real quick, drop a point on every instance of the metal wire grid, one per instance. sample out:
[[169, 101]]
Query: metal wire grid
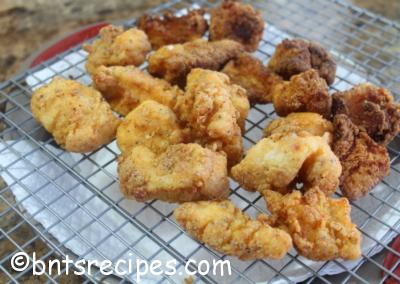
[[363, 42]]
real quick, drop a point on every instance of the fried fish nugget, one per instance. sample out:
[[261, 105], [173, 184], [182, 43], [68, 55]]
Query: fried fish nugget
[[77, 116], [322, 169], [225, 228], [241, 104], [306, 92], [152, 125], [125, 87], [208, 109], [364, 161], [237, 21], [174, 62], [372, 109], [282, 160], [320, 226], [117, 47], [296, 122], [294, 56], [249, 73], [171, 29], [184, 172]]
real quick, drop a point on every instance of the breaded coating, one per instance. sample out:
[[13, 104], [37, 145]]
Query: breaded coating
[[306, 92], [241, 104], [364, 161], [249, 73], [320, 226], [237, 21], [151, 124], [297, 122], [184, 172], [372, 109], [171, 29], [228, 230], [294, 56], [174, 62], [117, 47], [77, 116], [283, 160], [125, 87], [208, 110]]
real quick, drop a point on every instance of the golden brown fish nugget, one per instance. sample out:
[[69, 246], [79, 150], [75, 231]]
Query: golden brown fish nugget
[[77, 116], [372, 109], [364, 161], [125, 87], [237, 21], [283, 160], [174, 62], [295, 56], [184, 172], [225, 228], [297, 122], [117, 47], [306, 92], [249, 73], [320, 226], [171, 29], [152, 125], [208, 108]]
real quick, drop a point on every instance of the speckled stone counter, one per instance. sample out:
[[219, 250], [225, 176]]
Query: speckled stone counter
[[26, 26]]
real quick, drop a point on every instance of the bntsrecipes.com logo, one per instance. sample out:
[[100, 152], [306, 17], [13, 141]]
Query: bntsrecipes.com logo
[[21, 261]]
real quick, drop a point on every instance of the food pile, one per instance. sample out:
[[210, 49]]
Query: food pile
[[179, 126]]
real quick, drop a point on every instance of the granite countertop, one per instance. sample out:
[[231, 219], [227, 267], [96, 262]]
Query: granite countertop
[[28, 26]]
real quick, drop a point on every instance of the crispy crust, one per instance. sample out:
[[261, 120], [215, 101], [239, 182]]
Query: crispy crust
[[174, 62], [237, 21], [117, 47], [295, 56], [125, 87], [305, 92], [249, 72], [320, 226], [364, 161], [214, 110], [171, 29], [184, 172], [297, 122], [151, 124], [77, 116], [372, 109], [282, 160], [228, 230]]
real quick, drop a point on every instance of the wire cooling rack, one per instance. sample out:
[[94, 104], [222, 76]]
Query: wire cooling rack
[[365, 46]]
